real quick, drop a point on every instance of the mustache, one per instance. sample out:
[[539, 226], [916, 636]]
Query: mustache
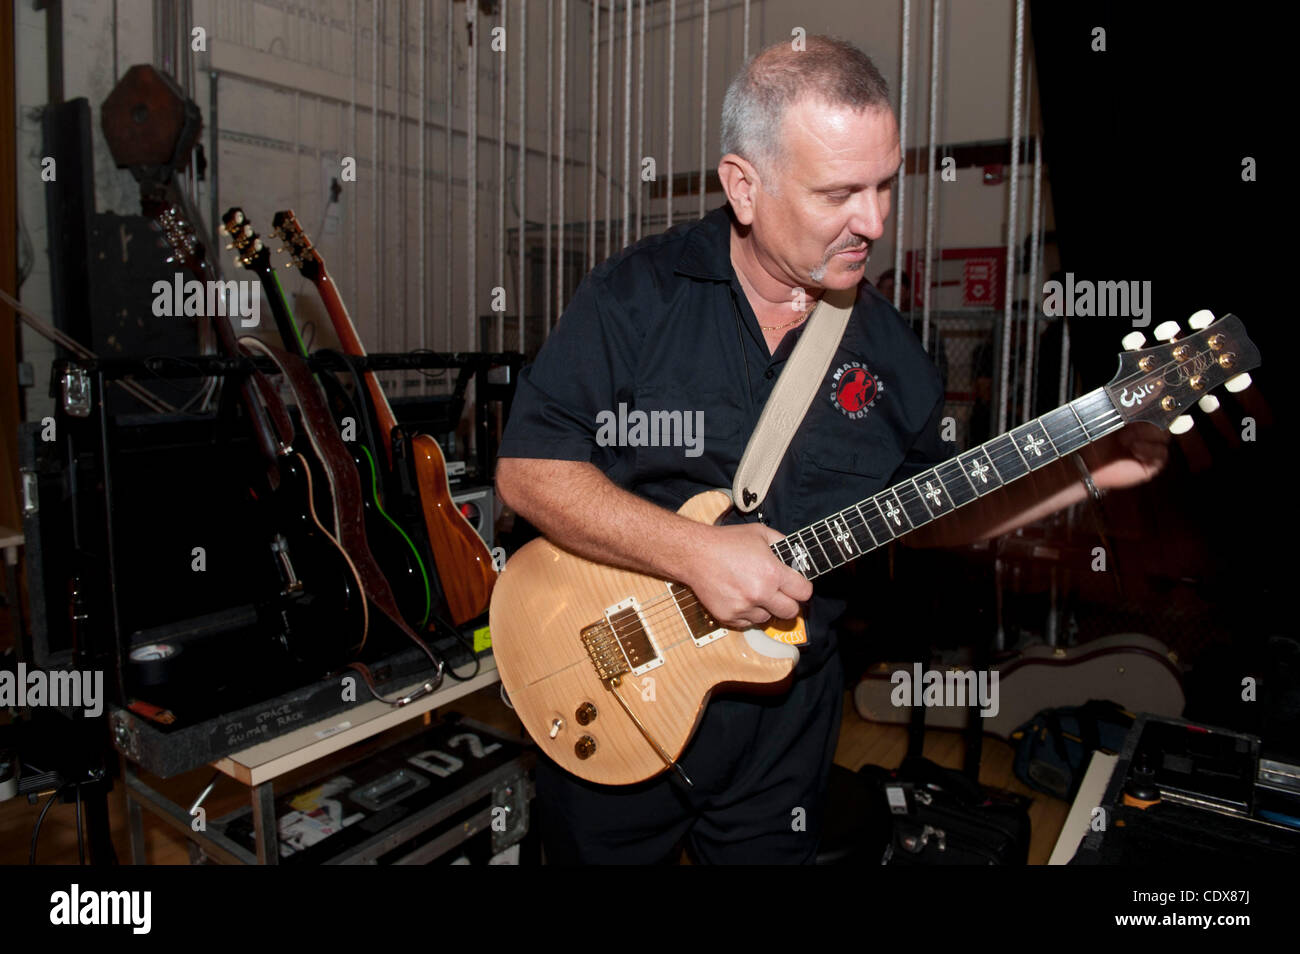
[[854, 245]]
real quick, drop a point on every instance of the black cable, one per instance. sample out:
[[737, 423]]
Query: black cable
[[441, 624], [36, 832], [81, 847]]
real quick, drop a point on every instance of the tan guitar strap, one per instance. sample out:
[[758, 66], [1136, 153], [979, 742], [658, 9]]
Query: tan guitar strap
[[788, 404]]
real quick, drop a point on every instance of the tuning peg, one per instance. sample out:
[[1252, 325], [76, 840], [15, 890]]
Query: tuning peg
[[1238, 384], [1209, 404], [1201, 320], [1133, 341], [1181, 424], [1166, 330]]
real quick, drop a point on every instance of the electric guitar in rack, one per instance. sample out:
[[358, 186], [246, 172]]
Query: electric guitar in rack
[[394, 549], [574, 640], [463, 561], [322, 604]]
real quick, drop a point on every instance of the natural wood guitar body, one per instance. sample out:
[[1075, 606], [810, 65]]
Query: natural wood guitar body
[[543, 601], [463, 559]]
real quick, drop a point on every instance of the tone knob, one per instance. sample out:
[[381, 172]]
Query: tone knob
[[586, 714], [585, 747]]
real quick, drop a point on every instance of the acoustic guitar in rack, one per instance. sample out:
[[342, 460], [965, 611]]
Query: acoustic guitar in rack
[[463, 561], [575, 640]]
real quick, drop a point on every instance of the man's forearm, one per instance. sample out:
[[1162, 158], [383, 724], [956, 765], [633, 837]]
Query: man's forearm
[[578, 507], [1032, 497]]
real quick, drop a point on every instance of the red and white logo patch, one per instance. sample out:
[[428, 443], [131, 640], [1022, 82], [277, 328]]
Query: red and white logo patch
[[854, 389]]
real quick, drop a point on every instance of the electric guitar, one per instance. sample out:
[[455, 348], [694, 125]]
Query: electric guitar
[[396, 552], [321, 603], [577, 643], [463, 561]]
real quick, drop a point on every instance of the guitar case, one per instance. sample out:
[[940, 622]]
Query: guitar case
[[1138, 672]]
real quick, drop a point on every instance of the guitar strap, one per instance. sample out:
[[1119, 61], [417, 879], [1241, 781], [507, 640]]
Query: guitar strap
[[346, 486], [788, 404]]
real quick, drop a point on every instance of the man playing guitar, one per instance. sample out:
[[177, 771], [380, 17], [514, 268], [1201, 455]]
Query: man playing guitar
[[703, 318]]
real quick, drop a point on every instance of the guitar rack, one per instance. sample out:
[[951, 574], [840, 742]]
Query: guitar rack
[[75, 476]]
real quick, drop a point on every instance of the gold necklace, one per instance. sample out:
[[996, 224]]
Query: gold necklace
[[787, 324]]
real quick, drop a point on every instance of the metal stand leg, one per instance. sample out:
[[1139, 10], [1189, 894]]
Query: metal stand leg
[[135, 823], [265, 830]]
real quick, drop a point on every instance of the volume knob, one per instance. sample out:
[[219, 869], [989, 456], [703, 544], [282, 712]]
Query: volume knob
[[585, 747]]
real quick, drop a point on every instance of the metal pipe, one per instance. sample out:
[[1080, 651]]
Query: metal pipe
[[931, 182], [903, 87], [672, 95], [422, 312], [523, 165], [352, 192], [744, 49], [640, 118], [403, 204], [704, 101], [447, 175], [471, 187], [550, 100], [375, 313], [609, 124], [1012, 203], [501, 179], [1031, 297], [594, 135], [627, 125], [559, 167]]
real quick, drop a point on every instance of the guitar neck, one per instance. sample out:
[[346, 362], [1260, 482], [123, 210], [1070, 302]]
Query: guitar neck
[[280, 311], [937, 492], [351, 344]]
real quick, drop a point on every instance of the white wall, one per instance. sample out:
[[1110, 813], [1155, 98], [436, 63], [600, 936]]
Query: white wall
[[285, 119]]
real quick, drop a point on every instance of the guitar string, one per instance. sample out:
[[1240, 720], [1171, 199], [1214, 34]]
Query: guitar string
[[905, 493], [1107, 417], [1102, 420], [658, 614], [690, 600]]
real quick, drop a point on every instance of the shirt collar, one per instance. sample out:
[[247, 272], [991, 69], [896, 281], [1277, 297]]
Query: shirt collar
[[707, 252]]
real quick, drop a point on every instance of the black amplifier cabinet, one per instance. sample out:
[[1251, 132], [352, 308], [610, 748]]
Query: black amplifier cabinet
[[420, 801], [1183, 793], [180, 638]]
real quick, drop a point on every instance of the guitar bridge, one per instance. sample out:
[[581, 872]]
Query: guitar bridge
[[621, 643]]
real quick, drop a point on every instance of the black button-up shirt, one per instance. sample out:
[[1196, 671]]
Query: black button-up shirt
[[665, 326]]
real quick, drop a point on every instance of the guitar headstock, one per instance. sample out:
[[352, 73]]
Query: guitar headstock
[[302, 253], [250, 251], [1160, 384], [187, 249]]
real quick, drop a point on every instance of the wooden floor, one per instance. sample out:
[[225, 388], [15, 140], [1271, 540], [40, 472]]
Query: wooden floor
[[860, 743]]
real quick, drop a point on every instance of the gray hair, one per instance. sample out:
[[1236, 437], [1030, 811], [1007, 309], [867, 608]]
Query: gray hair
[[827, 69]]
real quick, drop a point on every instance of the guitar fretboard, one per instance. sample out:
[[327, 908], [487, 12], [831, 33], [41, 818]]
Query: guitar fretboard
[[932, 494]]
